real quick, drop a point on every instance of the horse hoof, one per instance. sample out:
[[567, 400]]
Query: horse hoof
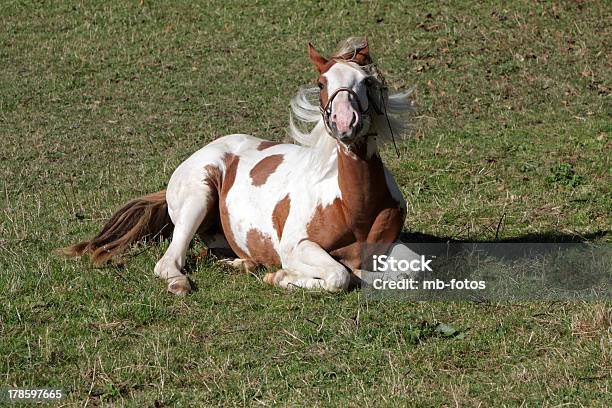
[[269, 278], [276, 278], [179, 286], [273, 278], [242, 265]]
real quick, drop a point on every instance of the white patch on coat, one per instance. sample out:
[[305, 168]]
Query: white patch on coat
[[346, 75], [251, 207]]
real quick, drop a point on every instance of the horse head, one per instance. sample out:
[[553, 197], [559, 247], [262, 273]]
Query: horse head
[[345, 84]]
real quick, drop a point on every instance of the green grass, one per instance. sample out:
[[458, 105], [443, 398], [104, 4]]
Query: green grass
[[100, 101]]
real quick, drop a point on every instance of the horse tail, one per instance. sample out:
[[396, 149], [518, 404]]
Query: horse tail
[[142, 218]]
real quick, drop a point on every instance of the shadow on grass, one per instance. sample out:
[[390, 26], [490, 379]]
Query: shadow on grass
[[545, 237]]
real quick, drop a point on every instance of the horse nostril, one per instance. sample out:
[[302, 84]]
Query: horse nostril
[[353, 120]]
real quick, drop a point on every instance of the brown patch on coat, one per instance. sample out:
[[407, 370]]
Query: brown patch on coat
[[280, 214], [266, 166], [266, 144], [323, 93], [211, 222], [261, 248], [367, 213], [327, 67], [213, 178], [220, 185], [328, 228], [231, 168]]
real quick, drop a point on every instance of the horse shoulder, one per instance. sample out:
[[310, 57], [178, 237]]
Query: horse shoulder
[[328, 227]]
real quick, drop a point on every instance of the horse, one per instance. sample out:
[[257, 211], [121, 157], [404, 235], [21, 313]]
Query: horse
[[310, 207]]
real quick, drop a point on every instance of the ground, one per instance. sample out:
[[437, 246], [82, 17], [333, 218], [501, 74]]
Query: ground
[[100, 102]]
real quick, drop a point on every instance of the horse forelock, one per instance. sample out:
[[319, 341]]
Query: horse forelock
[[353, 49]]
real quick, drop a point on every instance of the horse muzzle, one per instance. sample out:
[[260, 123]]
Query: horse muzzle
[[346, 121], [347, 127]]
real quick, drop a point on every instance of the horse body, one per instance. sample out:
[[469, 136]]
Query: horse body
[[262, 200], [309, 208], [248, 179]]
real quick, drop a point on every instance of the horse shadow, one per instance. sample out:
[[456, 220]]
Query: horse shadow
[[545, 237], [408, 238]]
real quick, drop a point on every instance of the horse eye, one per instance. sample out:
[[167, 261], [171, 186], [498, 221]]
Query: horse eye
[[320, 85]]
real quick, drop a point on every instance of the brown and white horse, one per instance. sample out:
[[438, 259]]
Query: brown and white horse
[[308, 207]]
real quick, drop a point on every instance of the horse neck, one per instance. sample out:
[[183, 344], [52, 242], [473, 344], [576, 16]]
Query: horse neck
[[361, 178]]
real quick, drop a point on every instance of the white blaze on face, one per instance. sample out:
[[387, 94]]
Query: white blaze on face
[[345, 115]]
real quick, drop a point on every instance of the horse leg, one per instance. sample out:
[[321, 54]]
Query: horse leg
[[187, 218], [217, 245], [309, 266], [397, 250], [242, 265]]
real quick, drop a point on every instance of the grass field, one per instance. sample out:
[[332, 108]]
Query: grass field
[[101, 100]]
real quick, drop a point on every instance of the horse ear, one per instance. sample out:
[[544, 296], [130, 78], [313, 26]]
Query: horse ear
[[316, 58], [362, 56]]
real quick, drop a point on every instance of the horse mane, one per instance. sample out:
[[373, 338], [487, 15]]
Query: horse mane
[[305, 107]]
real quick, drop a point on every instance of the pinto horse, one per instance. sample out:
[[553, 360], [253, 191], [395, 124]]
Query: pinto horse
[[309, 207]]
